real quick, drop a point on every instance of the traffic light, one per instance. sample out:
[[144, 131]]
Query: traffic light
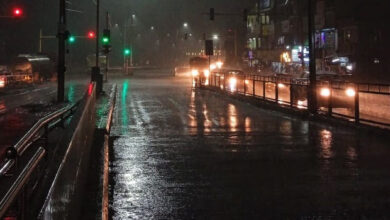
[[91, 34], [106, 36], [245, 14], [71, 39], [126, 51], [17, 12], [212, 14]]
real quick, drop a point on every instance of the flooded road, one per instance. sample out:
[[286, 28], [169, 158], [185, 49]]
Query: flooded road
[[185, 154]]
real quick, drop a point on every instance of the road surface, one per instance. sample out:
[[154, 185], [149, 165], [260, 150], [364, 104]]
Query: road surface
[[185, 154]]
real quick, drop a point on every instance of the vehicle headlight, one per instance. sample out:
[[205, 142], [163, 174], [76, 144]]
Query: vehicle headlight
[[195, 72], [325, 92], [206, 73], [350, 92]]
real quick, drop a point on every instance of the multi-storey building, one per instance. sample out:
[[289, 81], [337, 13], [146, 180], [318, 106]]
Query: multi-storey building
[[350, 36]]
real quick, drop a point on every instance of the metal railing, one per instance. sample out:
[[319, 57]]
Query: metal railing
[[39, 131], [359, 102], [106, 159]]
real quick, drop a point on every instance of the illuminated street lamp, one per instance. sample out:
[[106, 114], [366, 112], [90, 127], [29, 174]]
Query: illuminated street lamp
[[185, 25], [215, 37]]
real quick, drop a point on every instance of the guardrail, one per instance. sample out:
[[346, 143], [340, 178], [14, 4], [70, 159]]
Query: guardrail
[[37, 136], [106, 160], [359, 102], [38, 131]]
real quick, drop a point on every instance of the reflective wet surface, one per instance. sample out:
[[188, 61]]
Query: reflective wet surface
[[183, 154]]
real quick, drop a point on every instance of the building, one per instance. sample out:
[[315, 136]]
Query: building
[[350, 36]]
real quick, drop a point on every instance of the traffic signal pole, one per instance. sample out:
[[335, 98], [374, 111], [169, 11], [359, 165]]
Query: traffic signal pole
[[312, 92], [97, 32], [96, 76], [61, 53], [107, 27]]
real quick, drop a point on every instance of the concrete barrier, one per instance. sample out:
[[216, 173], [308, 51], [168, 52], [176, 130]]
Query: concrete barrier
[[66, 192]]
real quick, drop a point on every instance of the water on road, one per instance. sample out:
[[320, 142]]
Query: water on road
[[184, 154]]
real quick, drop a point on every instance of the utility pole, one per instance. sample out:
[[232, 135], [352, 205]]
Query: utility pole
[[312, 93], [107, 27], [97, 33], [61, 52], [96, 76]]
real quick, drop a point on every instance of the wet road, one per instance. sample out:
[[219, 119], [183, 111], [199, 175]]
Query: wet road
[[184, 154]]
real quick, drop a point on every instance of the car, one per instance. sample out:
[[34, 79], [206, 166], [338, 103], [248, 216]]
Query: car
[[335, 90]]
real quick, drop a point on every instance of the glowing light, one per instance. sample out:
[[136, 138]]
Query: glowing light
[[206, 73], [246, 81], [349, 67], [17, 12], [213, 66], [302, 104], [281, 85], [219, 64], [325, 92], [2, 82], [286, 57], [232, 84], [195, 72], [91, 34], [350, 92], [72, 39], [90, 89]]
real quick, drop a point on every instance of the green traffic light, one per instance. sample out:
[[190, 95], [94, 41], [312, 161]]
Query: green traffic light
[[127, 52], [105, 40], [72, 39]]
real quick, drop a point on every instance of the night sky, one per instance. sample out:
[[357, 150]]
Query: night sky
[[167, 16]]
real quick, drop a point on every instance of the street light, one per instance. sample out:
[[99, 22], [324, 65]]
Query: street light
[[215, 37], [185, 25]]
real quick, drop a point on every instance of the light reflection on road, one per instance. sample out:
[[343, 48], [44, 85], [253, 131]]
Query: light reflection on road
[[185, 154]]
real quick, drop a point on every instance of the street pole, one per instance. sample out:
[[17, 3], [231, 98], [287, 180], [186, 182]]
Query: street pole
[[96, 76], [107, 27], [312, 93], [125, 45], [61, 53], [97, 33]]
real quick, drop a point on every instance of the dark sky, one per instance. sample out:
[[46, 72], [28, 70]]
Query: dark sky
[[167, 16]]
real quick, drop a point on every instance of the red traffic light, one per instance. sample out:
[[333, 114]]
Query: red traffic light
[[17, 12], [91, 34]]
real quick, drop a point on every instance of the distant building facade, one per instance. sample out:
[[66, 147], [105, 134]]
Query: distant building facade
[[351, 36]]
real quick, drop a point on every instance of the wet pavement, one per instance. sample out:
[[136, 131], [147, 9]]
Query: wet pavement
[[185, 154]]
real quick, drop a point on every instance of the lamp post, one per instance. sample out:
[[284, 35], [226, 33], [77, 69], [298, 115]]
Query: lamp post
[[312, 93]]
